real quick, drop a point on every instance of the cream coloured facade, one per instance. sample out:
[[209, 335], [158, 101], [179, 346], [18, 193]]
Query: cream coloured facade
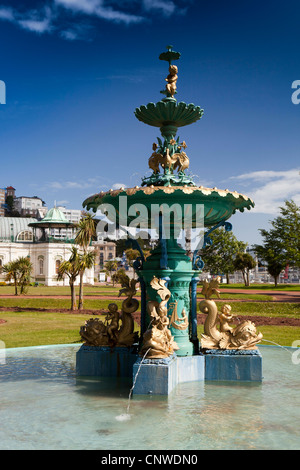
[[18, 238], [45, 258]]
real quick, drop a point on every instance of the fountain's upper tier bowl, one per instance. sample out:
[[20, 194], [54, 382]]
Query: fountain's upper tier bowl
[[214, 204], [168, 112]]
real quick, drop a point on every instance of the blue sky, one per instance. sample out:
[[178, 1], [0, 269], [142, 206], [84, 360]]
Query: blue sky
[[75, 70]]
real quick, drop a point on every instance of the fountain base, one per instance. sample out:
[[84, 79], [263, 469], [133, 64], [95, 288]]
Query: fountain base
[[233, 364], [103, 361], [161, 376]]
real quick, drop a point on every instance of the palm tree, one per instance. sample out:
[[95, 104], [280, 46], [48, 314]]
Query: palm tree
[[71, 268], [86, 232], [25, 268], [19, 272], [86, 261], [11, 271]]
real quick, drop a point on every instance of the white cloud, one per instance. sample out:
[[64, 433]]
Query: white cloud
[[118, 186], [63, 202], [38, 21], [99, 9], [269, 189], [6, 13], [47, 19], [167, 7], [88, 183]]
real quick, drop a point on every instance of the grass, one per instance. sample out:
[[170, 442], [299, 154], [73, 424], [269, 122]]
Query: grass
[[234, 296], [62, 290], [53, 303], [281, 335], [110, 290], [268, 309], [280, 287], [34, 328], [23, 329]]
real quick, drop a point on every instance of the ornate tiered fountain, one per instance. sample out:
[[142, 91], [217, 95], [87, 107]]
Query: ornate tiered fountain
[[169, 202]]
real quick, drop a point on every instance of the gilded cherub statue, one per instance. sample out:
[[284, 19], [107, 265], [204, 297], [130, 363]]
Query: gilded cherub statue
[[172, 80], [109, 333], [158, 342], [243, 336]]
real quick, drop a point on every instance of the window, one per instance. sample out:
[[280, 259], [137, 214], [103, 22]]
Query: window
[[41, 265], [25, 236], [57, 265]]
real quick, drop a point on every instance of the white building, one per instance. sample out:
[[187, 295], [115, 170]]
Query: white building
[[28, 237], [33, 206]]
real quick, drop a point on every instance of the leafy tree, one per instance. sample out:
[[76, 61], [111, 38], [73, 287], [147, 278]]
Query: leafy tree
[[131, 255], [220, 255], [71, 268], [144, 241], [281, 244], [119, 276], [85, 234], [111, 266], [286, 229], [244, 262], [272, 253], [19, 271]]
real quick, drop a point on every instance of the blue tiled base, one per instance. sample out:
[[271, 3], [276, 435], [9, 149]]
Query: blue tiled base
[[227, 365], [105, 362], [161, 376]]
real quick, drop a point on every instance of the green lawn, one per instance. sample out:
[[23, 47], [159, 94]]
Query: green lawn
[[62, 290], [110, 290], [38, 328], [23, 329], [33, 328], [236, 296], [268, 309], [280, 287], [54, 303], [281, 335]]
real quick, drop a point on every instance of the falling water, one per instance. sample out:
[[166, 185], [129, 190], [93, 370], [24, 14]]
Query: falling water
[[126, 416], [276, 344]]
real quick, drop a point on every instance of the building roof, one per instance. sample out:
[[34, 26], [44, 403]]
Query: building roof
[[12, 226], [54, 218]]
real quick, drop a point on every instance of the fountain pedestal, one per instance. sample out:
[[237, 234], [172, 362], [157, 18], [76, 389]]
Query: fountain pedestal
[[170, 262], [103, 361], [161, 376], [243, 365]]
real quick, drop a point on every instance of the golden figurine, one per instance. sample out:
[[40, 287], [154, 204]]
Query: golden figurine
[[158, 343], [243, 336], [110, 333], [179, 161], [172, 80]]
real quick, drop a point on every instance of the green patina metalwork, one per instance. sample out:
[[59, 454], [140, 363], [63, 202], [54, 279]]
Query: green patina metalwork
[[166, 190]]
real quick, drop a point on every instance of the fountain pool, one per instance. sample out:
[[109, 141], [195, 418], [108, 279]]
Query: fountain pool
[[43, 405]]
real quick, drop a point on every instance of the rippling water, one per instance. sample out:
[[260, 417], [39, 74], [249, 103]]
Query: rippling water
[[44, 406]]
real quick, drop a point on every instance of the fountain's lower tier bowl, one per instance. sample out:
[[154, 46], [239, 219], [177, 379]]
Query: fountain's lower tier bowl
[[211, 205]]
